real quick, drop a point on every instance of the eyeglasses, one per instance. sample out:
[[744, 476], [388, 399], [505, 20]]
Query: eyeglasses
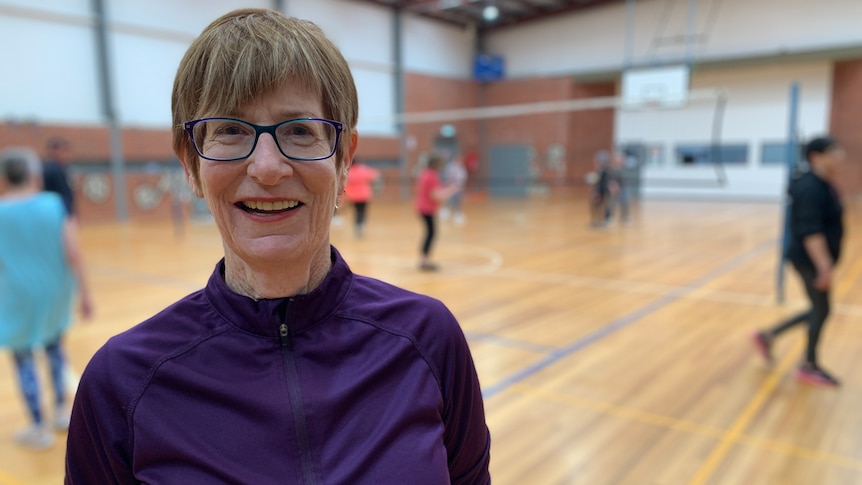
[[229, 139]]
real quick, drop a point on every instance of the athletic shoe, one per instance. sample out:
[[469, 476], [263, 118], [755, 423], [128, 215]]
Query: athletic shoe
[[429, 267], [763, 345], [816, 376], [36, 437], [62, 416]]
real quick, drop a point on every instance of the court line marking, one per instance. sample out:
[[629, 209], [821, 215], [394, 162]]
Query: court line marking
[[604, 407], [450, 268], [622, 322], [687, 426], [721, 296], [801, 452], [494, 267], [733, 436], [508, 342]]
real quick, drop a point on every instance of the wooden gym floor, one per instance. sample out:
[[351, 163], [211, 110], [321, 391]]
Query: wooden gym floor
[[612, 356]]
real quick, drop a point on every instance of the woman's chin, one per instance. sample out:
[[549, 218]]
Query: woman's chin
[[272, 249]]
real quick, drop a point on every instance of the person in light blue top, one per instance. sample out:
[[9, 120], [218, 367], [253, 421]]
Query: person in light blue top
[[40, 269]]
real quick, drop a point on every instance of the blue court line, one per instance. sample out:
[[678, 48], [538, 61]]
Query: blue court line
[[622, 322], [507, 342]]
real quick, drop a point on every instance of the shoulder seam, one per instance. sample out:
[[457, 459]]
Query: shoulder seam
[[405, 335], [133, 403]]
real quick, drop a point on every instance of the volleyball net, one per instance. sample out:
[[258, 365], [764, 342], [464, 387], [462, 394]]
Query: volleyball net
[[534, 148]]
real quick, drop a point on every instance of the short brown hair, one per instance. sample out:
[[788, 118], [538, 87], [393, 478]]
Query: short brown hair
[[19, 165], [248, 54], [819, 145], [435, 161]]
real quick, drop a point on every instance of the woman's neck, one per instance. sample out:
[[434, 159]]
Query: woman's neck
[[18, 192], [275, 279], [821, 172]]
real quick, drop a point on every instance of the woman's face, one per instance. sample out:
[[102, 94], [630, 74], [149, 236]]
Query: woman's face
[[829, 161], [270, 209]]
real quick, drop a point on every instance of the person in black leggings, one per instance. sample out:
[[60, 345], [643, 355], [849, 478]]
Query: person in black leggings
[[430, 192], [816, 230]]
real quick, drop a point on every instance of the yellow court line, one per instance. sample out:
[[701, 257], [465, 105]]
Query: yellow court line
[[624, 412], [708, 294], [744, 419], [690, 426], [802, 452]]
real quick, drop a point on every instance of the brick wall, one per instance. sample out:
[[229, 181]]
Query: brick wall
[[589, 130], [424, 93], [90, 157], [845, 118], [577, 134]]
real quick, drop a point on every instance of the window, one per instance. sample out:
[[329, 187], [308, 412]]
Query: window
[[707, 154], [775, 153], [647, 154]]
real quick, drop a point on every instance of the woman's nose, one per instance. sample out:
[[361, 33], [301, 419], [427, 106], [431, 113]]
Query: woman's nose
[[266, 163]]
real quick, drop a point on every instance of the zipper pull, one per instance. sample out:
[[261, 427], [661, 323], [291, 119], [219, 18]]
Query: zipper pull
[[282, 330]]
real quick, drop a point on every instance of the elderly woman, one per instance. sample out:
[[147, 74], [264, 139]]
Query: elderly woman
[[286, 367], [40, 266]]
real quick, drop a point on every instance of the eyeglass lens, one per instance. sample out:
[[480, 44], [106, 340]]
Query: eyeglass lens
[[226, 139]]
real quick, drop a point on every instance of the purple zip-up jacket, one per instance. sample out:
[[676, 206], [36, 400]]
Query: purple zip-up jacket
[[356, 382]]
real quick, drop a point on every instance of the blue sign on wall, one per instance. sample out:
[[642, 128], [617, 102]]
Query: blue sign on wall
[[488, 68]]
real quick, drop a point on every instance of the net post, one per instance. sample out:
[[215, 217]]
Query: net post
[[791, 160]]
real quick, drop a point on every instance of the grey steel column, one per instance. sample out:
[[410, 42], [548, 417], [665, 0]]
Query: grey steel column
[[629, 48], [398, 93], [483, 148], [691, 34], [117, 164], [792, 160]]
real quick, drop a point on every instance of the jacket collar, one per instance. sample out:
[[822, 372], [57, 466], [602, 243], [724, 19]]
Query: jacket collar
[[299, 312]]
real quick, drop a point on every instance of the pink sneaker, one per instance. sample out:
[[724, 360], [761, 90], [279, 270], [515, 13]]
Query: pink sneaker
[[763, 345], [816, 376]]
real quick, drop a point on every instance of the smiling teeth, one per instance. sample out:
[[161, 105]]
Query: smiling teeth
[[271, 206]]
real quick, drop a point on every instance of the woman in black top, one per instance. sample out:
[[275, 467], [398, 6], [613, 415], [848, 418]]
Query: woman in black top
[[816, 230]]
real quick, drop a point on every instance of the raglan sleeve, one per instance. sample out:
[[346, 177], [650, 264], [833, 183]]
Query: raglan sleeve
[[98, 448], [466, 435]]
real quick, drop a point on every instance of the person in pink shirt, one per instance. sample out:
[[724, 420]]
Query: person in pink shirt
[[359, 190], [430, 192]]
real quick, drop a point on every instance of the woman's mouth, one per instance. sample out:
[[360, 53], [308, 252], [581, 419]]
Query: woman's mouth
[[268, 207]]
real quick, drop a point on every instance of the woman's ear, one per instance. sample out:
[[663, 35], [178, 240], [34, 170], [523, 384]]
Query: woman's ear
[[345, 167], [191, 179]]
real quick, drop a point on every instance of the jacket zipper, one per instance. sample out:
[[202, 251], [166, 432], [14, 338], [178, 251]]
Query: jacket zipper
[[299, 417]]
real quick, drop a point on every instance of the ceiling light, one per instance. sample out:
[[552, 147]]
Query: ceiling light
[[490, 13]]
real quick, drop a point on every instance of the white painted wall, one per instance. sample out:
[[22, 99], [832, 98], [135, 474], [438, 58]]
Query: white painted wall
[[55, 40], [438, 49], [757, 111], [365, 35], [48, 78], [594, 40]]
